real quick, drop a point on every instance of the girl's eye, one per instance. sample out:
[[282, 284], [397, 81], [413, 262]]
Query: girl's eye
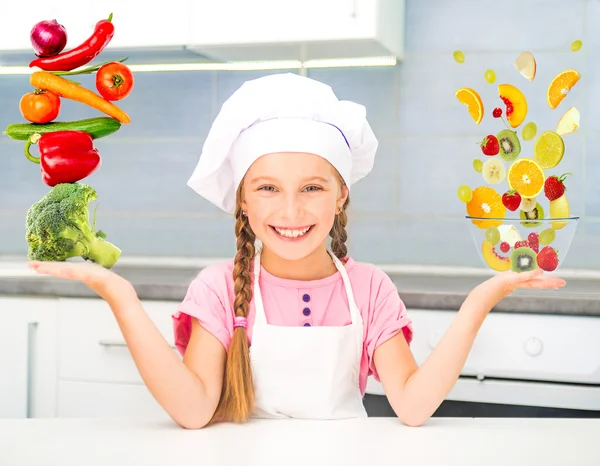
[[266, 188], [314, 188]]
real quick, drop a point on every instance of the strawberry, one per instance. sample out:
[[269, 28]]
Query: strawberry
[[554, 186], [547, 259], [521, 244], [511, 200], [534, 241], [490, 145]]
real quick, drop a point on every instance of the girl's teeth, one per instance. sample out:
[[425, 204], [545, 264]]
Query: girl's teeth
[[292, 233]]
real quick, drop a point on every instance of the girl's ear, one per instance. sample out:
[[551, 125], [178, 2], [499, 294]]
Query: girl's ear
[[344, 191]]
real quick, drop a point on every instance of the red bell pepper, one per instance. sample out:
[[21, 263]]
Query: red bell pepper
[[82, 54], [65, 156]]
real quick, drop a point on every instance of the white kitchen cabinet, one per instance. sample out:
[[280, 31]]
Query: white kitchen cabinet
[[136, 25], [517, 358], [107, 400], [28, 358], [297, 29], [97, 374]]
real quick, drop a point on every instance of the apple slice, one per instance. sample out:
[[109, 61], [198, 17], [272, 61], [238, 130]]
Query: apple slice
[[525, 64], [569, 122]]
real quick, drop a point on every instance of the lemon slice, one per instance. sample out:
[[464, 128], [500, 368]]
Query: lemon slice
[[548, 150], [569, 122]]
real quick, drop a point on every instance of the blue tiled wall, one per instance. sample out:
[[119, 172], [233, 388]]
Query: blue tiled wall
[[406, 211]]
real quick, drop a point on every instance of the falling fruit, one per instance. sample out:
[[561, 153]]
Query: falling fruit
[[472, 100], [569, 122], [516, 104], [486, 203], [559, 208], [529, 131], [464, 193], [576, 46], [477, 165], [547, 236], [493, 259], [526, 177], [492, 235], [560, 86], [548, 150], [526, 65], [490, 76], [459, 57]]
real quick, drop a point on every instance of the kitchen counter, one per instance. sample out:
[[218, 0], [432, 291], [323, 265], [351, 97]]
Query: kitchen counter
[[421, 287], [356, 442]]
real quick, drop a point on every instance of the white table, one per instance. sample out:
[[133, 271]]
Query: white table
[[367, 442]]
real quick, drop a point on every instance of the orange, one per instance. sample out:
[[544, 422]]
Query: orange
[[560, 87], [472, 100], [526, 177], [486, 203]]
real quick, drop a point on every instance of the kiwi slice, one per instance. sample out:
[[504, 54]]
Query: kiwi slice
[[510, 147], [537, 213], [523, 259]]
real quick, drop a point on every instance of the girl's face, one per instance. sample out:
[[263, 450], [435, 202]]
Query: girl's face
[[291, 200]]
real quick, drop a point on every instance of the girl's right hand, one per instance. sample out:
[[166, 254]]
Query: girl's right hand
[[107, 284]]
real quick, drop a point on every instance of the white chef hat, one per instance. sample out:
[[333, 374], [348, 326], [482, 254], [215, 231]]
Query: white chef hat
[[281, 113]]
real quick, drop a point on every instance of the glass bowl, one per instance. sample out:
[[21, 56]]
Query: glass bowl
[[521, 245]]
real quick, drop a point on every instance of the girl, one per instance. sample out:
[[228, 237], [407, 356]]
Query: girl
[[290, 327]]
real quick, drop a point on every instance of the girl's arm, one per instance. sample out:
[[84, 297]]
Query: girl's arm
[[189, 389], [415, 393]]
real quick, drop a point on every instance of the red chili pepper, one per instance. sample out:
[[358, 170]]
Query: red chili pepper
[[82, 54], [65, 156]]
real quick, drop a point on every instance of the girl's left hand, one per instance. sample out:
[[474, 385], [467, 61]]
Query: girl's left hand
[[510, 281]]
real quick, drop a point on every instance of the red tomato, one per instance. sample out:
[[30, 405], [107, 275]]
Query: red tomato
[[114, 81], [40, 106]]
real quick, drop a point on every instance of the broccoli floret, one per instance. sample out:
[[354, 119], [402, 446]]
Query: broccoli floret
[[58, 227]]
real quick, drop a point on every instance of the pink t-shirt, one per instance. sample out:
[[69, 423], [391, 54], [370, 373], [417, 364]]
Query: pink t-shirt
[[210, 299]]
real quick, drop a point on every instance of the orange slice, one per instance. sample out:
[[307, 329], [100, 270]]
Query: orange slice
[[560, 87], [526, 177], [472, 100], [486, 203]]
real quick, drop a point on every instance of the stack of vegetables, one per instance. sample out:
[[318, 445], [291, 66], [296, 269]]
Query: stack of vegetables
[[58, 226]]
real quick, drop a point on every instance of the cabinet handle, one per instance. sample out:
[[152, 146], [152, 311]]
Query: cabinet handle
[[31, 333], [117, 343], [352, 5]]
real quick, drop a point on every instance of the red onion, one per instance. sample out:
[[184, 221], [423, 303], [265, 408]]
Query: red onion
[[48, 38]]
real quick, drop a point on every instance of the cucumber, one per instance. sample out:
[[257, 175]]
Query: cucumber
[[96, 127]]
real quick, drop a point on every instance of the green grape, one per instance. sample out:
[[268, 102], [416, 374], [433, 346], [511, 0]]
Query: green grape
[[547, 236], [529, 131], [464, 193], [492, 235], [459, 56], [477, 165], [490, 76], [576, 46]]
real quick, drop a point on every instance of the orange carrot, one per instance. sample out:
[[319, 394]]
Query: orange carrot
[[70, 90]]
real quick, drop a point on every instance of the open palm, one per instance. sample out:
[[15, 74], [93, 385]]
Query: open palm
[[99, 279], [529, 280]]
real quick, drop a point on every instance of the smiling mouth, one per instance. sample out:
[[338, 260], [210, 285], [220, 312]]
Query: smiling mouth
[[292, 233]]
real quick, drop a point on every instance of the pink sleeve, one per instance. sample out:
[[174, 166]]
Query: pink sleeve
[[201, 302], [388, 317]]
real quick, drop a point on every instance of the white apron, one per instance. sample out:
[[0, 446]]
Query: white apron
[[306, 372]]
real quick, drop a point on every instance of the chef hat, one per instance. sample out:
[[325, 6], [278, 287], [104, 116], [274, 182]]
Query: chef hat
[[281, 113]]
